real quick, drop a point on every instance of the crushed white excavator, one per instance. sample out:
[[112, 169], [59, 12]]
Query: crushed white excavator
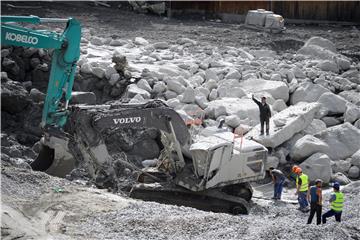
[[261, 19]]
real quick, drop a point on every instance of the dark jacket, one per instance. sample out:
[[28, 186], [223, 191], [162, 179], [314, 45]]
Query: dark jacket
[[264, 109]]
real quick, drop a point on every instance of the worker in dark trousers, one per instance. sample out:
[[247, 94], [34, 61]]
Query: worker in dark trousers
[[315, 199], [336, 204], [302, 187], [278, 179], [265, 114]]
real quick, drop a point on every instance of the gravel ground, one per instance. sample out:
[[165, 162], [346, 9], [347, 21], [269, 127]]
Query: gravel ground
[[66, 210]]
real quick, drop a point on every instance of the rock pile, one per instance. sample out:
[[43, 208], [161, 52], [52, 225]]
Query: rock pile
[[313, 94]]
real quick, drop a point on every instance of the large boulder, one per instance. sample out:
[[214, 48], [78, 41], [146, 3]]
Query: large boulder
[[343, 140], [340, 178], [88, 98], [14, 97], [243, 108], [321, 42], [342, 166], [132, 90], [333, 103], [315, 127], [354, 172], [318, 47], [355, 158], [285, 124], [351, 96], [277, 89], [307, 92], [328, 66], [317, 166], [352, 113], [306, 146]]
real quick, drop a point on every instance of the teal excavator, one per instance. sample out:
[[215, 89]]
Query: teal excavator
[[208, 171]]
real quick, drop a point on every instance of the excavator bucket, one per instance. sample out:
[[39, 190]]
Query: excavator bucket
[[54, 157]]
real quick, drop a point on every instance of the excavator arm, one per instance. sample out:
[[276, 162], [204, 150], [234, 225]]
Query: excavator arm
[[66, 47]]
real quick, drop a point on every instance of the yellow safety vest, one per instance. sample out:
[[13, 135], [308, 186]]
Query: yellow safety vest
[[337, 205], [304, 182]]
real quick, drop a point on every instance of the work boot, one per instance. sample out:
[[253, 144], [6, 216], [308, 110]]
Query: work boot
[[262, 133], [267, 133]]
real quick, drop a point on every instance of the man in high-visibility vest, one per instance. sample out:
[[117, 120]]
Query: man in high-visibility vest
[[336, 204], [302, 187]]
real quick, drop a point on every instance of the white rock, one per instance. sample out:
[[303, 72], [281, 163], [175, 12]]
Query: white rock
[[109, 71], [307, 92], [315, 127], [272, 161], [86, 68], [306, 146], [133, 90], [275, 77], [88, 98], [263, 53], [97, 41], [210, 74], [298, 73], [143, 84], [279, 105], [243, 108], [298, 117], [340, 178], [355, 158], [328, 66], [202, 101], [175, 86], [244, 54], [321, 42], [170, 94], [186, 40], [99, 72], [316, 52], [140, 41], [232, 121], [351, 96], [188, 95], [114, 79], [233, 74], [343, 140], [318, 166], [159, 87], [211, 84], [354, 172], [161, 45], [173, 103], [333, 103], [352, 113], [278, 90], [117, 42], [213, 95], [342, 166], [343, 63]]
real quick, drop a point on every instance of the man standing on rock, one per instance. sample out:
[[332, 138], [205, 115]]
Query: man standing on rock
[[302, 187], [336, 204], [315, 199], [265, 114], [278, 179]]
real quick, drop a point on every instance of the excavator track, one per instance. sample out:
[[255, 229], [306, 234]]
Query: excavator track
[[213, 200]]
